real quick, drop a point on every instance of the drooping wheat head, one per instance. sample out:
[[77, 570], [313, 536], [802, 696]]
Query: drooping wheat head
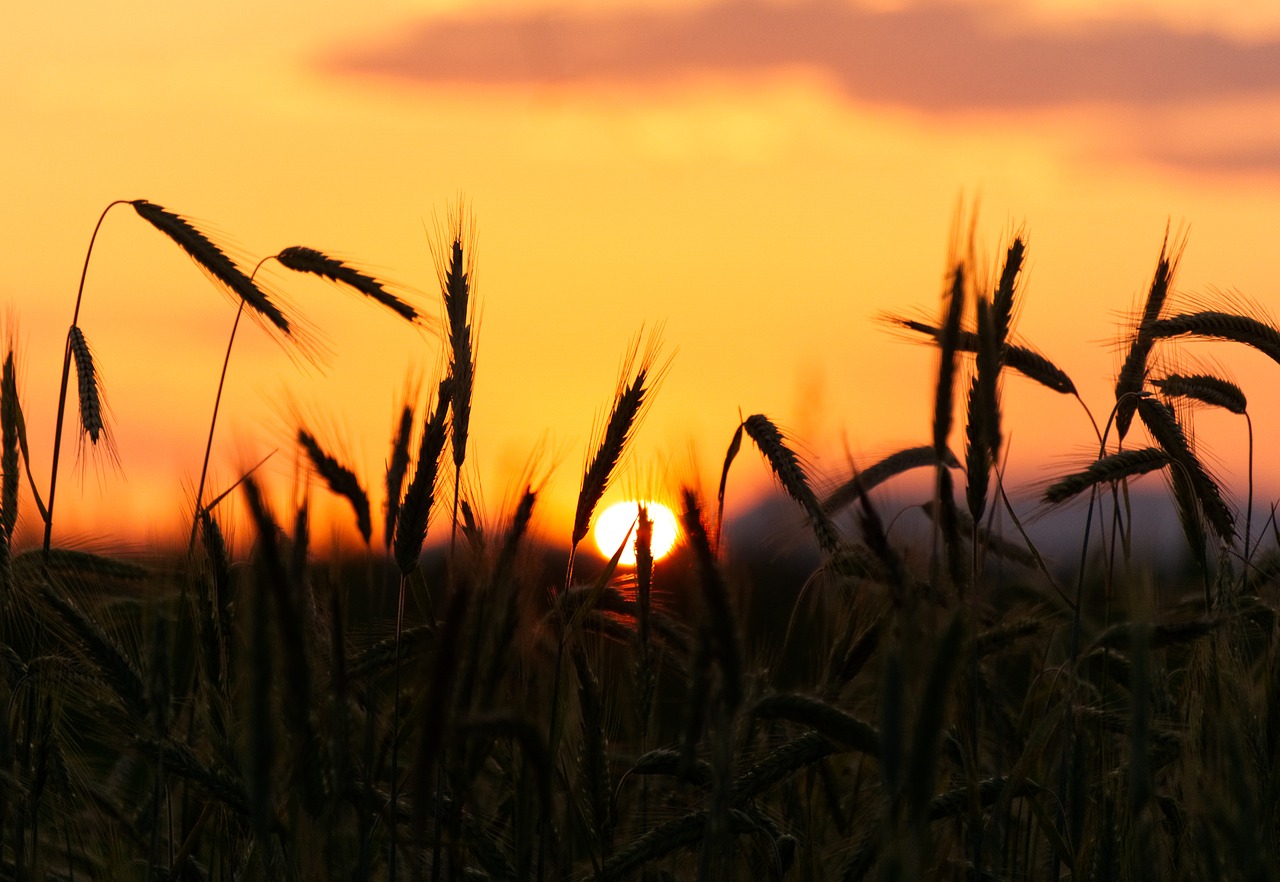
[[211, 258], [340, 480], [91, 422], [1205, 388], [1023, 359], [94, 413], [1108, 469], [1168, 433], [866, 480], [790, 472], [302, 259], [1215, 325]]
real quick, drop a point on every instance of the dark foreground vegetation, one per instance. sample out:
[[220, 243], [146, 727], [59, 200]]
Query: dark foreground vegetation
[[956, 709]]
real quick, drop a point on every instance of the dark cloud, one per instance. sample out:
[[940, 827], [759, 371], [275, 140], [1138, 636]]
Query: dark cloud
[[931, 57]]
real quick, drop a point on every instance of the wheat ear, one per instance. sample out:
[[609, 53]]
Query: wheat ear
[[1164, 427], [302, 259], [340, 480], [214, 260], [1107, 470], [628, 408], [866, 480], [10, 419], [1133, 373], [457, 282], [790, 473], [1023, 359], [723, 632], [397, 469], [1222, 326], [1218, 392], [62, 393], [415, 507]]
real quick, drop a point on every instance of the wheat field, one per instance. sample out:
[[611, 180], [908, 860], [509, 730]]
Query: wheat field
[[488, 706]]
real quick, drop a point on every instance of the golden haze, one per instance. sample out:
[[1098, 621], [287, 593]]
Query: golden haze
[[765, 216]]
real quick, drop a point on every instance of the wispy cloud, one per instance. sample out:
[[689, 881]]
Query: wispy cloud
[[929, 57]]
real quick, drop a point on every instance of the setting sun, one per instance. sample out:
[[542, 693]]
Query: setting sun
[[615, 521]]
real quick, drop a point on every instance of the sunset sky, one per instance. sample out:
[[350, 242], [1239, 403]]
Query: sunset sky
[[760, 180]]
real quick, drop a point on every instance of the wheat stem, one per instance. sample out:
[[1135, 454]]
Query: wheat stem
[[66, 376]]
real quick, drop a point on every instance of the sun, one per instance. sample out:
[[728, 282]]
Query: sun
[[616, 520]]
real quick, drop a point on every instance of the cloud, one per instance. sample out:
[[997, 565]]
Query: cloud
[[927, 57]]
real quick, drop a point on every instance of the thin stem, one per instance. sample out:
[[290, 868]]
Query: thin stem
[[62, 391], [213, 422], [1248, 511], [208, 447]]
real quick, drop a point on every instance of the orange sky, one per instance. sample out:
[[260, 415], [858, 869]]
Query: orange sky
[[761, 179]]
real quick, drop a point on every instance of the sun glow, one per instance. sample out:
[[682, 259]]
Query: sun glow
[[615, 521]]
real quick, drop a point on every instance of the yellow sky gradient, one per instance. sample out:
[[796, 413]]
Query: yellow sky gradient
[[761, 209]]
